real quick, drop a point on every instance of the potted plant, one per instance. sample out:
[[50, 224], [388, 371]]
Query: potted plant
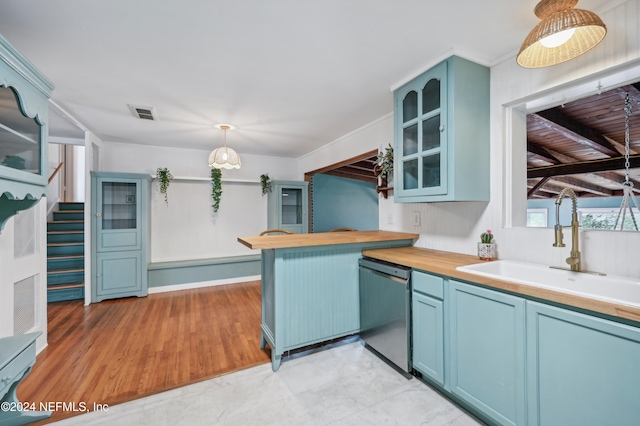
[[486, 247], [164, 178], [216, 188], [384, 163], [265, 181]]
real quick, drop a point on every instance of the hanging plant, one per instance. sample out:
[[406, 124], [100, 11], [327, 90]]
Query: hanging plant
[[384, 163], [164, 177], [265, 181], [216, 188]]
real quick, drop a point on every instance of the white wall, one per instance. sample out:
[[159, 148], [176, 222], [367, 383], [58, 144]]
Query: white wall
[[457, 226], [187, 228]]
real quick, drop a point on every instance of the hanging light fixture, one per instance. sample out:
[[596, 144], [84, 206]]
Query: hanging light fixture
[[224, 157], [564, 33]]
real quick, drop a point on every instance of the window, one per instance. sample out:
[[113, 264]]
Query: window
[[605, 218], [537, 218]]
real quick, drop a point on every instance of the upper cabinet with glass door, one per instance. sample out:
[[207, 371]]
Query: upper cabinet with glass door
[[442, 134], [24, 111]]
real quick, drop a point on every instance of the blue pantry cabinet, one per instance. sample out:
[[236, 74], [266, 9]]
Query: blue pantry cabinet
[[119, 234], [288, 206], [441, 134], [24, 112]]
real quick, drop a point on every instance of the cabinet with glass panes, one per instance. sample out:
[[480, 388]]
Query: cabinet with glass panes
[[120, 234], [287, 206], [24, 112], [441, 134]]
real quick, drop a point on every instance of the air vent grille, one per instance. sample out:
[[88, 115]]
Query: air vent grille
[[143, 112]]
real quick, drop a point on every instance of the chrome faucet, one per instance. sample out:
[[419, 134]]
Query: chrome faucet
[[574, 259]]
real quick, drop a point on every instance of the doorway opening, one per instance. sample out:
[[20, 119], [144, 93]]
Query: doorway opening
[[344, 195]]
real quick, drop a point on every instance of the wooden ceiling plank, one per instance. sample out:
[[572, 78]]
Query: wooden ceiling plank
[[360, 177], [576, 131], [540, 151], [581, 185]]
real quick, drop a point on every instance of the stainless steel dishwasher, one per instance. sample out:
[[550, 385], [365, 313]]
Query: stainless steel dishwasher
[[385, 310]]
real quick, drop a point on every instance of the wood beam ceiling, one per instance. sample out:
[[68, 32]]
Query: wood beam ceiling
[[594, 166], [575, 131]]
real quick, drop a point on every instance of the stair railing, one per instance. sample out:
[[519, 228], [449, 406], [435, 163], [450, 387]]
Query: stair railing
[[55, 172]]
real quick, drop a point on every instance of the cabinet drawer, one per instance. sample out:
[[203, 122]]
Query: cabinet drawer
[[14, 371], [428, 284]]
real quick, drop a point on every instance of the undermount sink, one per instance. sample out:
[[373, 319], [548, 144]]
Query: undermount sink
[[610, 288]]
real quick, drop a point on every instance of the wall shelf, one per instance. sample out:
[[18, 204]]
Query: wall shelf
[[208, 179]]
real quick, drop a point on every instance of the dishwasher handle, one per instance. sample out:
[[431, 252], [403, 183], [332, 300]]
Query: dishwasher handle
[[387, 268], [399, 280]]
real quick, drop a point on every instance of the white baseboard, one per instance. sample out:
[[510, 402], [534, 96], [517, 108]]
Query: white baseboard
[[189, 286]]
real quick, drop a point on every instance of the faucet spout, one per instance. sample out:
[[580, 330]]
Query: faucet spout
[[574, 259]]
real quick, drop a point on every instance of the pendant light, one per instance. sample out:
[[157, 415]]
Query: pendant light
[[563, 34], [224, 157]]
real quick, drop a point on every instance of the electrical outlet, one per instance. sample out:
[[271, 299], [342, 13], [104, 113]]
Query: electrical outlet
[[389, 218], [416, 218]]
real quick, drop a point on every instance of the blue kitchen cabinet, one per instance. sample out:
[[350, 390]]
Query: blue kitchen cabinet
[[428, 326], [310, 294], [288, 206], [441, 134], [24, 112], [120, 233], [581, 369], [487, 351]]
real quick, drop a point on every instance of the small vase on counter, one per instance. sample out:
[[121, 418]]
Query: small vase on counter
[[486, 246]]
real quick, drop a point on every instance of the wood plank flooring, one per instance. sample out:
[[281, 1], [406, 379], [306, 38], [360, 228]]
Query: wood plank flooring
[[119, 350]]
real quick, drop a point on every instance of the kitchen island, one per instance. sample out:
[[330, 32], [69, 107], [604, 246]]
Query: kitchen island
[[310, 288]]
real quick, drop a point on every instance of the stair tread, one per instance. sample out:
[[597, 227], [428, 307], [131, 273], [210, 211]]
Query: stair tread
[[67, 221], [73, 231], [65, 256], [73, 243], [66, 285], [68, 211], [64, 271]]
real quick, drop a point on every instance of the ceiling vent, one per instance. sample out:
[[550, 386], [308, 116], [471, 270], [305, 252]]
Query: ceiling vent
[[143, 112]]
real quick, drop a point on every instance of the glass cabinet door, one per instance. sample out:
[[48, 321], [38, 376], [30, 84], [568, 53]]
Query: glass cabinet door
[[20, 142], [119, 205], [422, 135], [118, 212], [291, 206]]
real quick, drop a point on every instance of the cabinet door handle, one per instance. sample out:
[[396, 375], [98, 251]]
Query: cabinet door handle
[[99, 214], [441, 128], [6, 379]]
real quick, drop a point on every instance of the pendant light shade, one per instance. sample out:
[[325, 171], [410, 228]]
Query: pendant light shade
[[563, 34], [224, 157]]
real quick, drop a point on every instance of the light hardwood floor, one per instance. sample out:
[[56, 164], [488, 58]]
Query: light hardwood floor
[[123, 349]]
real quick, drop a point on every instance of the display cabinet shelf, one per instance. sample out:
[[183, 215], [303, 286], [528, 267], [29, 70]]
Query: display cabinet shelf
[[24, 112]]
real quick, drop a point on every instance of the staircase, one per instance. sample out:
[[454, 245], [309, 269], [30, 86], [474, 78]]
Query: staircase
[[65, 253]]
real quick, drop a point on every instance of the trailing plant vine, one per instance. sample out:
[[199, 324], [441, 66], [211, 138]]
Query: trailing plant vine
[[216, 188], [164, 178], [384, 162], [265, 181]]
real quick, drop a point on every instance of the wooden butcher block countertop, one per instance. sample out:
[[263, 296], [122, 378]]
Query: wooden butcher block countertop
[[445, 263], [323, 239]]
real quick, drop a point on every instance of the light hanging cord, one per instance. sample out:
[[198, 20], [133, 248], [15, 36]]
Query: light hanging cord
[[627, 186]]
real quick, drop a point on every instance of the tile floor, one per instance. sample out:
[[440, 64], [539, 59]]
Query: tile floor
[[343, 385]]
